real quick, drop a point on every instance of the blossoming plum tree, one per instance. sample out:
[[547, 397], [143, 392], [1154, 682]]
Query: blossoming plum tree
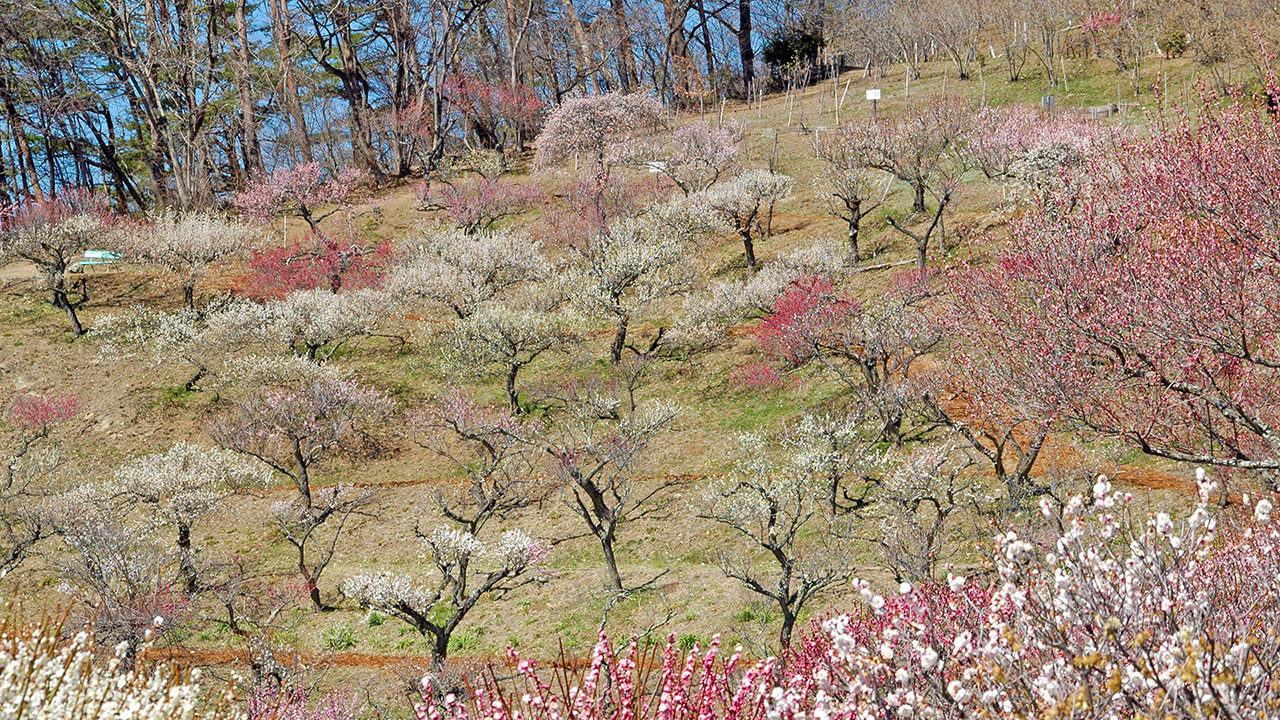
[[179, 487], [744, 202], [779, 506], [597, 128], [595, 449], [1141, 305], [304, 191], [463, 271], [186, 243], [50, 234], [292, 414], [492, 448], [477, 206], [31, 458]]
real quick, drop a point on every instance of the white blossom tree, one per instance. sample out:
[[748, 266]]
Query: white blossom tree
[[509, 335], [51, 234], [628, 267], [597, 128], [780, 506], [744, 202], [124, 574], [465, 571], [186, 243], [204, 341], [462, 271], [317, 323], [697, 155], [179, 487]]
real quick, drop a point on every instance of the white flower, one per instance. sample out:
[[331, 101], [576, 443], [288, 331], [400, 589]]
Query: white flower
[[1262, 511], [1102, 487], [955, 582]]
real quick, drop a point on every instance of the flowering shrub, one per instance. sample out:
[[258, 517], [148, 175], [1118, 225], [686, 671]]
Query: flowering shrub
[[37, 413], [1106, 615], [269, 702]]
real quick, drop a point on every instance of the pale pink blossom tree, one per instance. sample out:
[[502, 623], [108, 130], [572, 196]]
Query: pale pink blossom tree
[[304, 191], [478, 206]]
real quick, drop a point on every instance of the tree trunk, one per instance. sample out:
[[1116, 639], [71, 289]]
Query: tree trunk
[[282, 28], [788, 624], [513, 400], [301, 476], [745, 51], [922, 253], [918, 204], [750, 247], [619, 340], [189, 295], [854, 256], [60, 300], [613, 577], [244, 86], [187, 566], [626, 51]]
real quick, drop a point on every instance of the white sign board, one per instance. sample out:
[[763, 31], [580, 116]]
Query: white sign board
[[873, 94]]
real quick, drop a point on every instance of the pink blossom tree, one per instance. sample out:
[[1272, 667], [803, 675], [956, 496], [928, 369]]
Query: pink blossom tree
[[595, 128], [292, 414], [477, 206], [31, 458], [304, 191], [1141, 305]]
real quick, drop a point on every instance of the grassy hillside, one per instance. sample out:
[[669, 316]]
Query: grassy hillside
[[135, 407]]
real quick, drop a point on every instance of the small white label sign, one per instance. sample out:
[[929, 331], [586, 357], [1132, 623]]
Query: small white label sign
[[873, 94]]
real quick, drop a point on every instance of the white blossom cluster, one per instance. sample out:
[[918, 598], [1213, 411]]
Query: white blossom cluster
[[186, 243], [462, 271], [187, 480], [43, 678], [1110, 616], [318, 322]]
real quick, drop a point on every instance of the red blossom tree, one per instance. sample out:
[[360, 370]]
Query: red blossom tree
[[316, 262], [1145, 304]]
